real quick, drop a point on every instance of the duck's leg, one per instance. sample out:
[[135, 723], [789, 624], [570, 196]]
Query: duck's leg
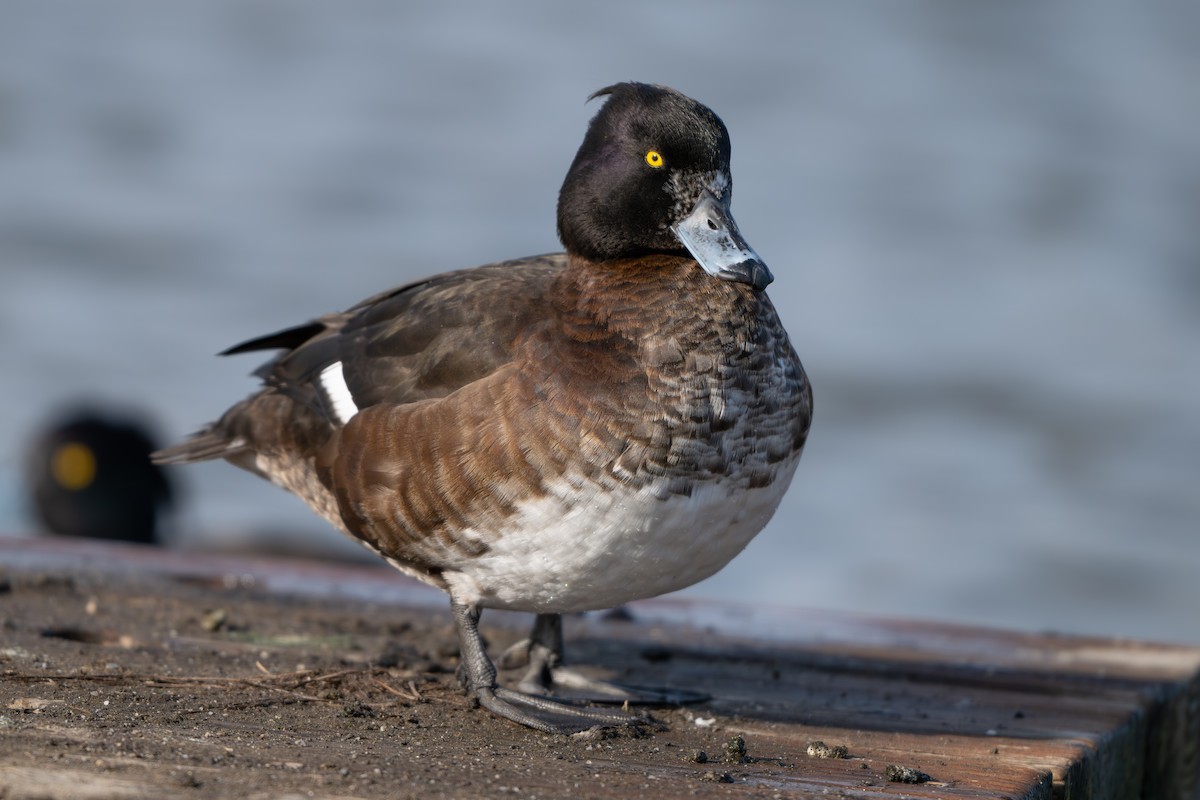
[[532, 711], [542, 652]]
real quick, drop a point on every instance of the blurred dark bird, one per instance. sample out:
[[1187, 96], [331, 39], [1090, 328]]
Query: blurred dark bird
[[556, 433], [91, 475]]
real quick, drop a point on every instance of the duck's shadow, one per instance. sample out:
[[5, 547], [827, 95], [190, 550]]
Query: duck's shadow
[[914, 689]]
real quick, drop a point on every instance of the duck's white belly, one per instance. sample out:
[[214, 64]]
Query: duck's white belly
[[584, 550]]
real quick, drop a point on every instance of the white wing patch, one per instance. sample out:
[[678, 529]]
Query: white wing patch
[[336, 393]]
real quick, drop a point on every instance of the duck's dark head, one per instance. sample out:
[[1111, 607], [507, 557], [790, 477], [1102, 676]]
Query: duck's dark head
[[652, 176]]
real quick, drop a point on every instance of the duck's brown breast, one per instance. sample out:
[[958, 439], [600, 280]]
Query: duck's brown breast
[[643, 375]]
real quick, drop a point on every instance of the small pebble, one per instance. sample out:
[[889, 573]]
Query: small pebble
[[819, 749], [898, 774], [357, 708], [214, 620], [717, 777], [735, 751]]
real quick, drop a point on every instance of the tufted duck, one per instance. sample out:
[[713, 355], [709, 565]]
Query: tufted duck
[[557, 433]]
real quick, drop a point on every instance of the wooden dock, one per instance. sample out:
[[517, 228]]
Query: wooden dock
[[130, 672]]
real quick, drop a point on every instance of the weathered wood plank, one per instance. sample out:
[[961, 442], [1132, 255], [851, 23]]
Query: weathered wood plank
[[140, 673]]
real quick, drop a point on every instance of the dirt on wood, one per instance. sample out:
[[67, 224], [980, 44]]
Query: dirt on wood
[[136, 673], [198, 688]]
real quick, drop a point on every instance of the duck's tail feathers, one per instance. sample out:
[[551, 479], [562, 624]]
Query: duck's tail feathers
[[204, 445]]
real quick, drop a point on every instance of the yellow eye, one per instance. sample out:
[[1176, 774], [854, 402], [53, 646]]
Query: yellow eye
[[73, 466], [654, 159]]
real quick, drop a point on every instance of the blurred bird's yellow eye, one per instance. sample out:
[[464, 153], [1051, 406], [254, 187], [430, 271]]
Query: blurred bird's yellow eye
[[654, 158], [73, 466]]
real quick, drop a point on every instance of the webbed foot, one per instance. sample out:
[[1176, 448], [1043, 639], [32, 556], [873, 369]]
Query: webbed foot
[[541, 655], [533, 710]]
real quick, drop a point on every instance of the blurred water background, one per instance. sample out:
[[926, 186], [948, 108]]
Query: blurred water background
[[983, 218]]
